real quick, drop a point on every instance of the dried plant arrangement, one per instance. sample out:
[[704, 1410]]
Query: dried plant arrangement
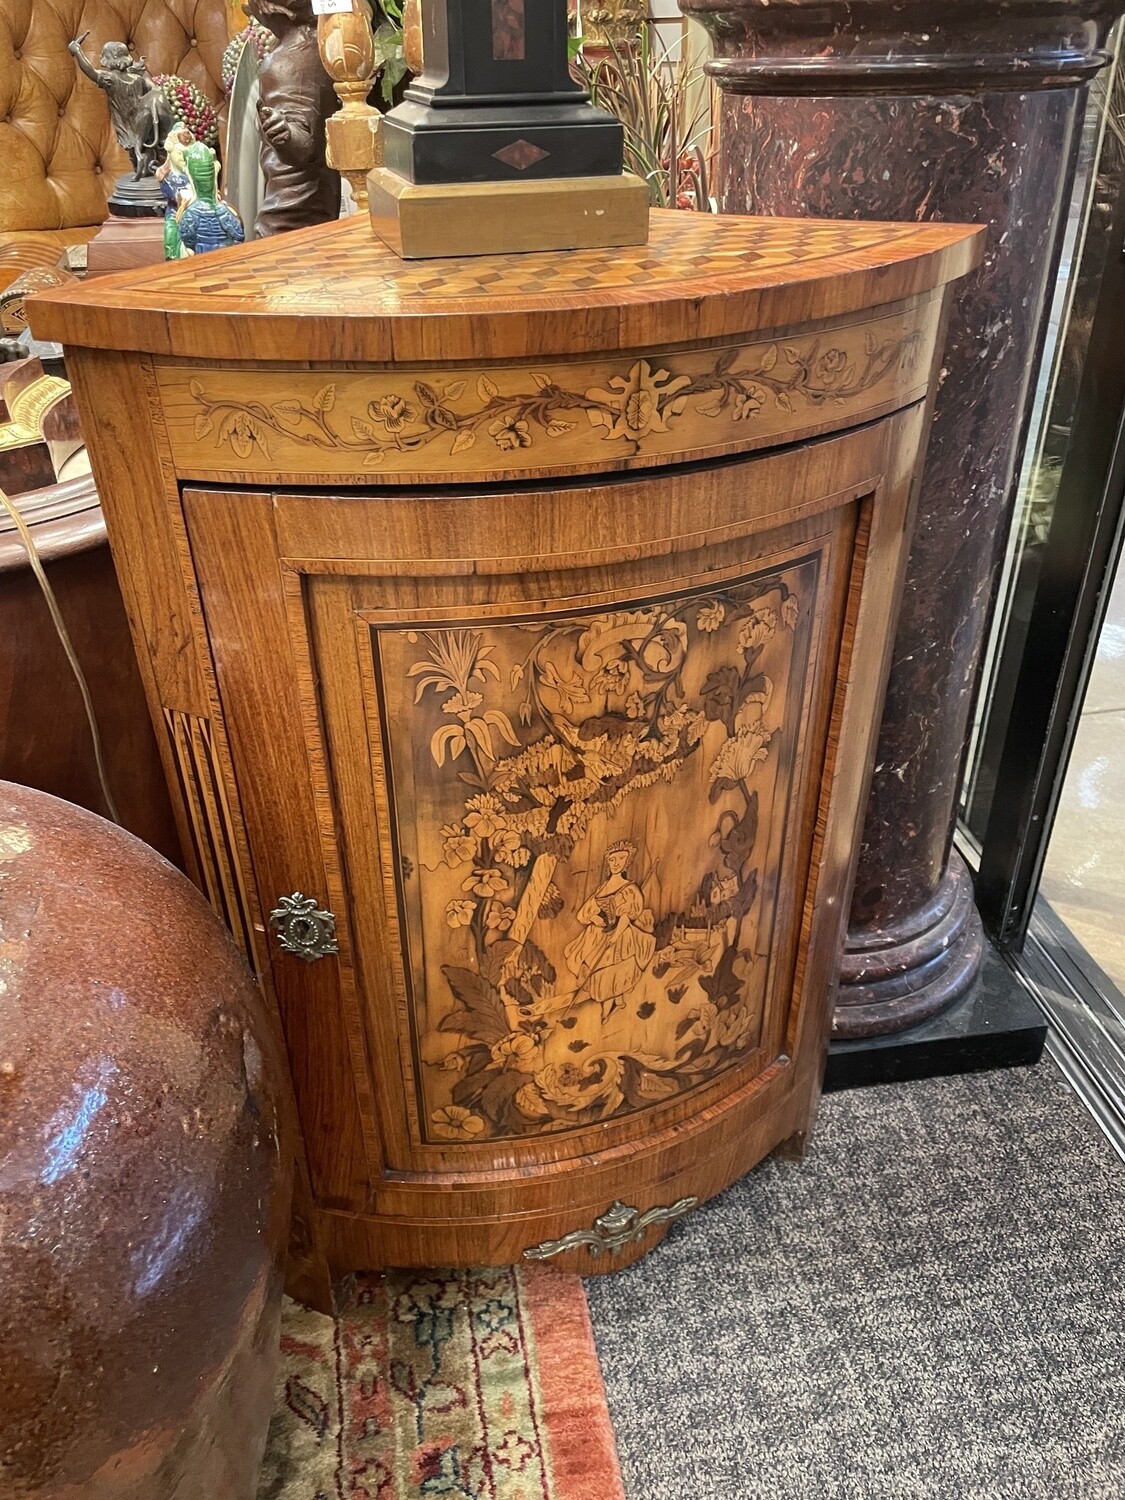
[[663, 99]]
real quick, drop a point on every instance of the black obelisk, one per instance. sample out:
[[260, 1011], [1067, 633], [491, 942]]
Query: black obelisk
[[495, 104], [496, 100]]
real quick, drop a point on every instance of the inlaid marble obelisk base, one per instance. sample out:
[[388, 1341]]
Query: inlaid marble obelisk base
[[961, 110], [496, 147]]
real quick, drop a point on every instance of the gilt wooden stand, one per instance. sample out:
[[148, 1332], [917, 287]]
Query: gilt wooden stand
[[517, 630]]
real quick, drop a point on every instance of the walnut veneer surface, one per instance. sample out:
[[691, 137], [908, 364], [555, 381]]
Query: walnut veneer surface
[[530, 615]]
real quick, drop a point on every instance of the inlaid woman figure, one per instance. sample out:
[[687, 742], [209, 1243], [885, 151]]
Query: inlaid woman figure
[[617, 944]]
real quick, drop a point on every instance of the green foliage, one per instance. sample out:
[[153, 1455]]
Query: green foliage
[[389, 46]]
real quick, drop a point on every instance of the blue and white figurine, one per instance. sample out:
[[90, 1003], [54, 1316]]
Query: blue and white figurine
[[207, 223]]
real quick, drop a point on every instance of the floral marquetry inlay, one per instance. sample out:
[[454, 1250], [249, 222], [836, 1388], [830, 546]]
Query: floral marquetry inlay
[[588, 814], [526, 419]]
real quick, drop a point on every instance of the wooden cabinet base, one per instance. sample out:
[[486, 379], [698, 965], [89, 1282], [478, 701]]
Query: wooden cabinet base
[[520, 627], [602, 1216]]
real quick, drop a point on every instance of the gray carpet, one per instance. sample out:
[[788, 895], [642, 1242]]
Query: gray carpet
[[930, 1305]]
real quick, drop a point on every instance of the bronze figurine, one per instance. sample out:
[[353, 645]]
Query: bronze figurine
[[296, 97], [141, 115]]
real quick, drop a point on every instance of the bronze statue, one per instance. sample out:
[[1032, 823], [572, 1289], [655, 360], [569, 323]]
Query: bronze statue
[[296, 96], [141, 115]]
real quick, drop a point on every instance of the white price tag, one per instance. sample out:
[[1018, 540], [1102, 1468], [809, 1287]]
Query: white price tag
[[330, 7]]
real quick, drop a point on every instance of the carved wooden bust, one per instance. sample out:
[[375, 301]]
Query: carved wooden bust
[[296, 98]]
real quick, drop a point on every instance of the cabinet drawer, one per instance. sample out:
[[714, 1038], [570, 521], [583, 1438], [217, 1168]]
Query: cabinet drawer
[[547, 417]]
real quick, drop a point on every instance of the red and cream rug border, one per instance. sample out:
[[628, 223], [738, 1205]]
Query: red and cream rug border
[[463, 1385], [571, 1388]]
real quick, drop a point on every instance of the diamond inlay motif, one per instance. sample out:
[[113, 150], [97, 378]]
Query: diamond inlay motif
[[338, 268], [521, 155]]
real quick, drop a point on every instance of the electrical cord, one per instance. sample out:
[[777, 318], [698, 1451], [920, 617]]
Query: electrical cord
[[67, 645]]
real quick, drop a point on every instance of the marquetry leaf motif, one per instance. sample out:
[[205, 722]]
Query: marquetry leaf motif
[[591, 807], [638, 402]]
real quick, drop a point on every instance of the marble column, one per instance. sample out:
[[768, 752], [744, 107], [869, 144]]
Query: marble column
[[966, 110]]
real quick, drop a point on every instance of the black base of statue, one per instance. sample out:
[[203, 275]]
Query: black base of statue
[[501, 144], [137, 198], [496, 102]]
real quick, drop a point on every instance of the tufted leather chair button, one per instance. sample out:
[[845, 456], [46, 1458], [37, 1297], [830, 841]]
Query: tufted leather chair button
[[194, 43]]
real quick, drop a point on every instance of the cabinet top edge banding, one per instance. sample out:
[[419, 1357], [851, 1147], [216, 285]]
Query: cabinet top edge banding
[[332, 293]]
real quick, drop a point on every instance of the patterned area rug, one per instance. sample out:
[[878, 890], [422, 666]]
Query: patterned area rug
[[464, 1385]]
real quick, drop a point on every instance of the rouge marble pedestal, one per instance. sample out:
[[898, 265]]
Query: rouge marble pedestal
[[955, 111], [994, 1024]]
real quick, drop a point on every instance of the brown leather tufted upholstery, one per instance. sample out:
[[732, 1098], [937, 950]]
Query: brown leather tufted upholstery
[[58, 155]]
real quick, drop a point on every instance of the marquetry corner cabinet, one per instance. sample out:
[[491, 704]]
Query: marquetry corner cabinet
[[516, 630]]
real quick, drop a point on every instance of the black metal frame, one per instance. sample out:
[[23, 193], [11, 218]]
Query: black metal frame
[[1086, 1014], [1077, 566]]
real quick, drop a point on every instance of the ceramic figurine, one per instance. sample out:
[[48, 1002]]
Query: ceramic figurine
[[138, 107], [296, 97], [207, 223], [177, 188]]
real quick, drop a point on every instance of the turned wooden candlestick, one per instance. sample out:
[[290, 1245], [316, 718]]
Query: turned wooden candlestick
[[347, 50]]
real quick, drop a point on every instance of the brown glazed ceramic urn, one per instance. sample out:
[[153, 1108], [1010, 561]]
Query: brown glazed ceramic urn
[[145, 1170]]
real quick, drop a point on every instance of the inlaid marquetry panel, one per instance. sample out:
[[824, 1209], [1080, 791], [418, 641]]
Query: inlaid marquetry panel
[[326, 271], [559, 415], [588, 815], [335, 292]]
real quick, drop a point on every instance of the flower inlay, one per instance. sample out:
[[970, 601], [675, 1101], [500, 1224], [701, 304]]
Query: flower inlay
[[634, 409]]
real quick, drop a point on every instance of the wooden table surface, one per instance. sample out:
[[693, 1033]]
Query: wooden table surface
[[334, 292]]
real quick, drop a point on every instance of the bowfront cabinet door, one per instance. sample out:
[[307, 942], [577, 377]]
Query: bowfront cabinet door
[[567, 780]]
